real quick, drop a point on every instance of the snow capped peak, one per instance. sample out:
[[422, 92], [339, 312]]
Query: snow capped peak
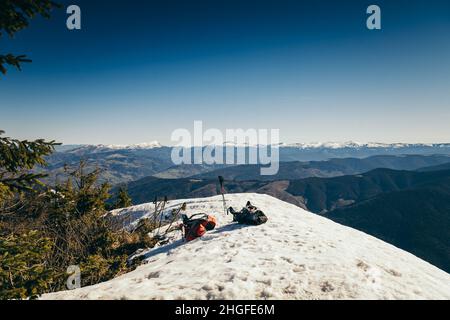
[[143, 145], [358, 145], [109, 147], [247, 144], [329, 145], [295, 255], [303, 146]]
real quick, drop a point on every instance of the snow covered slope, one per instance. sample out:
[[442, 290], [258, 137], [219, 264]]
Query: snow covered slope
[[295, 255]]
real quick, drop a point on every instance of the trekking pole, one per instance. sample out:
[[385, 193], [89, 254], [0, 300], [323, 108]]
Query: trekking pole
[[175, 215], [161, 214], [153, 218], [155, 213], [222, 191]]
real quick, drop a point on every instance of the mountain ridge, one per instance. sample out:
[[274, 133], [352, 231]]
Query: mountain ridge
[[301, 145]]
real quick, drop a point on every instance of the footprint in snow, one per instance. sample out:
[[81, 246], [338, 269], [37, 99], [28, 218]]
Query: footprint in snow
[[299, 268], [266, 282], [287, 259], [362, 265], [290, 290], [393, 272], [153, 275], [208, 287], [326, 287]]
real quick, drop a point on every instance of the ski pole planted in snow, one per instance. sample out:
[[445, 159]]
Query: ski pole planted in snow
[[161, 214], [222, 191]]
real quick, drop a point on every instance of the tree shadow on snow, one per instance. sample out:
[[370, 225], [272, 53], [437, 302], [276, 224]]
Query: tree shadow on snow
[[164, 249]]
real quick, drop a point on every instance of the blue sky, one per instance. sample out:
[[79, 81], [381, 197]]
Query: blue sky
[[140, 69]]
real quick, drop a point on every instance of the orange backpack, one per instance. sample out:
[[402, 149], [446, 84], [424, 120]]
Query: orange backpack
[[197, 227]]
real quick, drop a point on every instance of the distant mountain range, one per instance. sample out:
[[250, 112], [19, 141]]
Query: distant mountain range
[[325, 151], [324, 195], [118, 165], [303, 146], [123, 164], [288, 152], [444, 166], [330, 168]]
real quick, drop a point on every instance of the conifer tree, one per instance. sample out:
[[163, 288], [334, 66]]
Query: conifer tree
[[15, 16], [17, 158], [123, 199], [24, 271], [44, 229]]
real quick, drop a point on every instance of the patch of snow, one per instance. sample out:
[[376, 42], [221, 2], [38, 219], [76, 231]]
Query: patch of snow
[[109, 147], [304, 146], [359, 145], [144, 145], [295, 255]]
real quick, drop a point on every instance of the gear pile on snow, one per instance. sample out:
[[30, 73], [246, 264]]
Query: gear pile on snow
[[198, 224]]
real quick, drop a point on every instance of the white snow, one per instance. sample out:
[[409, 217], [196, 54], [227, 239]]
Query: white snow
[[359, 145], [144, 145], [300, 145], [295, 255], [108, 147]]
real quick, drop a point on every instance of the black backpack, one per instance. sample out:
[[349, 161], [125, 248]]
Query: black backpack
[[250, 215]]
